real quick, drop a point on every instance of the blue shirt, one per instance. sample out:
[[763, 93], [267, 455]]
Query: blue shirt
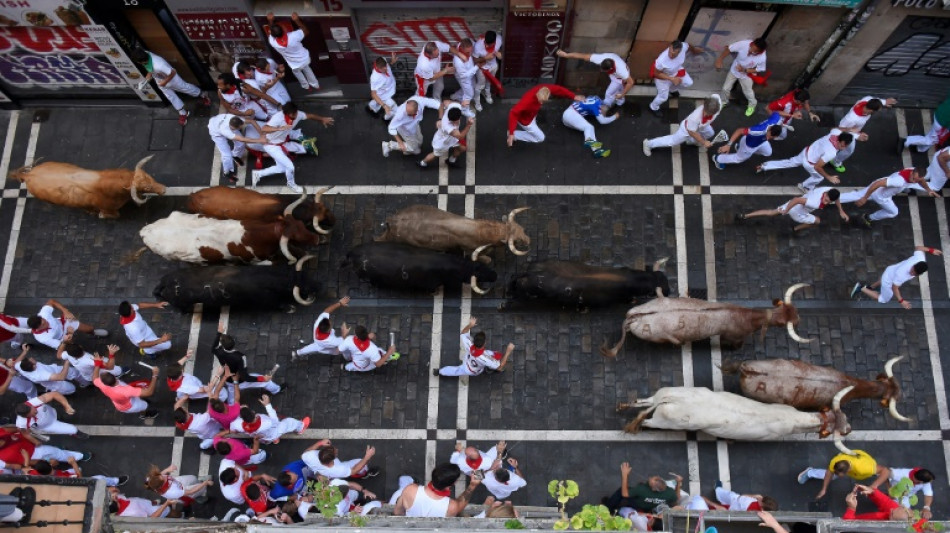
[[280, 491], [755, 136], [590, 107]]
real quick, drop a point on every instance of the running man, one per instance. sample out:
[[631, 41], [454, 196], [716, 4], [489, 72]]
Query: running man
[[896, 275]]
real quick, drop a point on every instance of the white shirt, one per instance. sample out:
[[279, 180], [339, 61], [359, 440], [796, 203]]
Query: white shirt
[[53, 336], [138, 330], [503, 490], [264, 432], [698, 119], [893, 186], [464, 68], [403, 123], [443, 139], [41, 374], [478, 364], [854, 119], [383, 83], [338, 470], [361, 359], [161, 69], [219, 126], [141, 508], [897, 474], [480, 50], [330, 344], [487, 458], [189, 385], [620, 73], [668, 66], [900, 273], [426, 68], [203, 426], [233, 491], [276, 121], [294, 53], [744, 60], [45, 415], [813, 198], [85, 365], [822, 149], [277, 91]]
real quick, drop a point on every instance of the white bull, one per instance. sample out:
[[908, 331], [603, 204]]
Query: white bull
[[730, 416]]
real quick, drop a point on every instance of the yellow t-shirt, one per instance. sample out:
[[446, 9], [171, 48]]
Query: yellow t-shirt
[[863, 465]]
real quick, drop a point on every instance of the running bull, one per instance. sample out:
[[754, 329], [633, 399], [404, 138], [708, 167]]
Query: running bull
[[430, 227], [806, 386], [257, 287], [103, 192], [198, 239], [681, 320], [247, 204], [399, 266], [730, 416], [569, 283]]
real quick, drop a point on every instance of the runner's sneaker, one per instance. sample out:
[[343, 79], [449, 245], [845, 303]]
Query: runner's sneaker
[[803, 476], [294, 357], [310, 145], [255, 177], [600, 153], [716, 163], [435, 372], [294, 187], [150, 414], [395, 356], [205, 101], [866, 219], [306, 424], [593, 145], [856, 289], [647, 151], [80, 435], [386, 149], [183, 118], [839, 168], [801, 187], [488, 99], [86, 456], [478, 107], [749, 111], [759, 169], [468, 112], [372, 472], [423, 164], [99, 332], [122, 481]]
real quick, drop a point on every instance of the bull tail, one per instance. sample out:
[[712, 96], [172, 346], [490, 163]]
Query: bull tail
[[730, 366], [612, 352], [20, 173], [133, 257], [635, 425]]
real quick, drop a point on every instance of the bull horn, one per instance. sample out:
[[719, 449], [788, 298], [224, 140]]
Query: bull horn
[[475, 287], [511, 215], [892, 408], [316, 200], [300, 299], [660, 264], [478, 251], [794, 335], [284, 249], [791, 290], [303, 260], [511, 246], [889, 366], [840, 445], [140, 164], [135, 194], [836, 402], [290, 208], [319, 194], [510, 219]]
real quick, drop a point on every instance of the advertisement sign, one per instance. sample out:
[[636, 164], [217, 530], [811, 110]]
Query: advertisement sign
[[816, 3], [114, 53], [43, 13], [533, 37]]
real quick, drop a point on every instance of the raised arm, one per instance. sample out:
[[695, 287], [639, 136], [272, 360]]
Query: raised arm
[[299, 23], [573, 55]]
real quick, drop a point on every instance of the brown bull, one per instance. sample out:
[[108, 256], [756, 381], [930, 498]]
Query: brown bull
[[248, 204], [98, 191], [806, 386], [429, 227], [681, 320]]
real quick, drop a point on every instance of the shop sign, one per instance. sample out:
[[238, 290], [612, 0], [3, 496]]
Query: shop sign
[[114, 53], [43, 13]]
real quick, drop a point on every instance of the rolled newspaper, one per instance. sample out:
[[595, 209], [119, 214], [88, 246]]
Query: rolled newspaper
[[148, 366], [392, 338], [273, 370]]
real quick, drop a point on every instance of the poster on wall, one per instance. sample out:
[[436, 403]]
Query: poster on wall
[[43, 13], [534, 33], [715, 29], [114, 53], [56, 61]]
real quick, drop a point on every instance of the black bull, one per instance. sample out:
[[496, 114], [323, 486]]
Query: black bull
[[400, 266], [572, 284], [239, 286]]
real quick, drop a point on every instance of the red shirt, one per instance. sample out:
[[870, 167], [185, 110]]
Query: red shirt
[[884, 507], [527, 108], [787, 100]]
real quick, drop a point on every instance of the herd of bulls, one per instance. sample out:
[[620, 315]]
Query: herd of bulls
[[423, 248]]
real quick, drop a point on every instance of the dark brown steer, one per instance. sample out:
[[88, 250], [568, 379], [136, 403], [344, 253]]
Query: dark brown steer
[[248, 204]]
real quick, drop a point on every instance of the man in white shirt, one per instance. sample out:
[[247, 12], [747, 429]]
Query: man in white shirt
[[37, 415], [268, 428], [896, 275], [448, 137], [50, 330], [51, 377], [750, 60], [429, 71], [469, 458], [268, 75], [325, 339], [230, 479], [200, 425], [487, 52], [282, 137], [800, 209], [382, 88], [696, 129], [853, 122], [476, 357], [227, 130], [322, 459], [503, 481], [668, 73], [186, 385], [362, 353], [290, 46], [404, 126], [814, 158], [921, 480], [169, 82], [84, 363], [465, 71], [138, 330], [616, 69], [883, 190]]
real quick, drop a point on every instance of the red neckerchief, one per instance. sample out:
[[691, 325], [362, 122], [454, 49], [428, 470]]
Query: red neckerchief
[[913, 473], [282, 40], [175, 384], [289, 120], [252, 426], [184, 425], [490, 48], [476, 352], [474, 463], [29, 419], [319, 335], [360, 344], [44, 330], [259, 505], [230, 91], [123, 504], [444, 493], [707, 118], [461, 55], [383, 72], [611, 71], [859, 108], [754, 506], [906, 174], [165, 485], [127, 319]]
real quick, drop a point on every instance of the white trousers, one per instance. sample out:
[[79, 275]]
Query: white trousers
[[257, 458], [228, 153], [52, 453], [178, 85], [223, 395], [610, 96], [936, 177], [305, 76], [681, 136], [281, 427], [437, 85], [316, 347], [168, 344], [845, 153], [663, 90], [745, 83], [269, 386], [23, 386], [888, 207], [282, 163], [814, 178], [574, 120], [413, 141], [481, 82], [388, 100], [530, 133], [57, 427], [743, 152], [456, 371], [138, 405], [924, 142], [63, 387]]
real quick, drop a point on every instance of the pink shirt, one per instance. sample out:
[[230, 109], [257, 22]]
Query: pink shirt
[[240, 453], [225, 419], [120, 395]]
